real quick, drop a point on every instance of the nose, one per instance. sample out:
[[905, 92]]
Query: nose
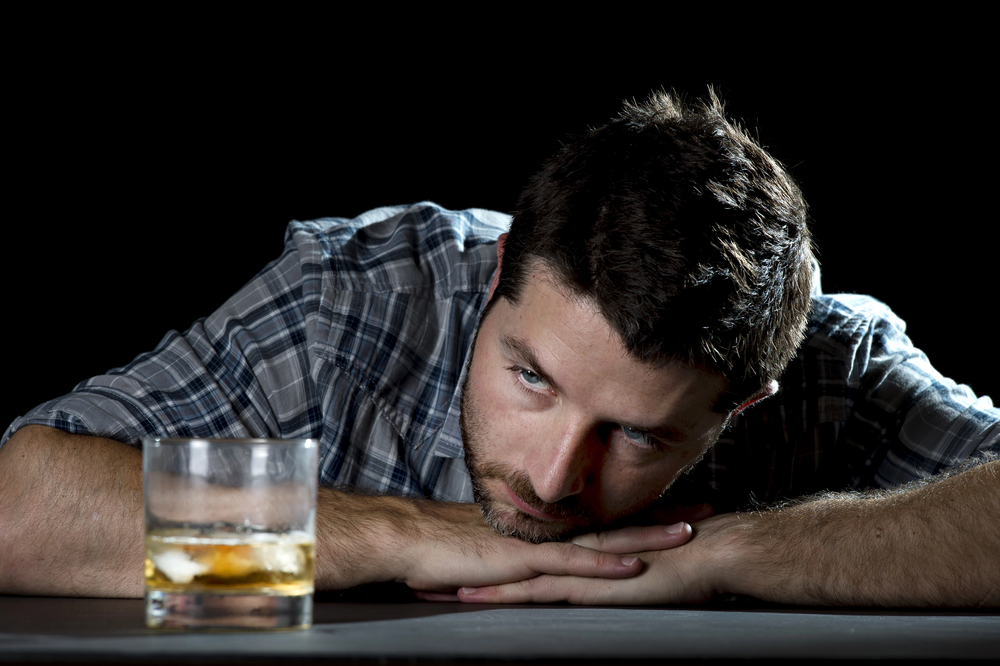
[[561, 466]]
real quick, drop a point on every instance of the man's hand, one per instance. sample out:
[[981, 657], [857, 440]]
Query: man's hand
[[676, 576], [934, 545], [71, 524], [436, 548]]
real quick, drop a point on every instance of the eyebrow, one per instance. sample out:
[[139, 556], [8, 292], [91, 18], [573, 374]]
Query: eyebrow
[[522, 353]]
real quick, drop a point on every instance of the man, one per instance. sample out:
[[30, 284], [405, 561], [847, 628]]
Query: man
[[657, 281]]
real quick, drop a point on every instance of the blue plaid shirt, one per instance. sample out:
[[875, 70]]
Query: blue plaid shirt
[[359, 333]]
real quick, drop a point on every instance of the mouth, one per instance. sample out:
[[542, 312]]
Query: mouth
[[523, 506], [564, 517], [507, 512]]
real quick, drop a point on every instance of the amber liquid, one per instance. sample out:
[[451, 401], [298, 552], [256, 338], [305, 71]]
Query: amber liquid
[[259, 564]]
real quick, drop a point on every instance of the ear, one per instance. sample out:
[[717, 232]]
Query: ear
[[768, 390], [501, 241]]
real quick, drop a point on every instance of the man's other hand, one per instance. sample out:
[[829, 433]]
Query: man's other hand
[[450, 547], [673, 574]]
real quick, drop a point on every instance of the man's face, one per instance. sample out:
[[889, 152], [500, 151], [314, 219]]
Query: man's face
[[563, 430]]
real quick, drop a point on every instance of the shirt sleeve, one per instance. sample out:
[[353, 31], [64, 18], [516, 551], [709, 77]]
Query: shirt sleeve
[[858, 407], [241, 372], [906, 421]]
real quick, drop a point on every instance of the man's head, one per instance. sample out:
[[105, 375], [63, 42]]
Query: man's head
[[656, 277]]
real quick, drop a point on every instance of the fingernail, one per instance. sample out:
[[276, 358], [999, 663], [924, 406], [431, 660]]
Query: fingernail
[[629, 561], [469, 590], [676, 528]]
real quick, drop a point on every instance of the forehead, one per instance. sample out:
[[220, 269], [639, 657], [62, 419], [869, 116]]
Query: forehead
[[576, 348]]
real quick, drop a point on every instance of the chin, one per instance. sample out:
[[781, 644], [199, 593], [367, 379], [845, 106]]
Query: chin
[[510, 522], [504, 518]]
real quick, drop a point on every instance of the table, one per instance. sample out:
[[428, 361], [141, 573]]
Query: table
[[396, 631]]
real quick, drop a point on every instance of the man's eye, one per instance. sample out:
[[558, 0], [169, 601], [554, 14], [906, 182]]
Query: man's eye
[[532, 378], [529, 381], [637, 436]]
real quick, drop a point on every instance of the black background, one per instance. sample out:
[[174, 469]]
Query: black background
[[152, 171]]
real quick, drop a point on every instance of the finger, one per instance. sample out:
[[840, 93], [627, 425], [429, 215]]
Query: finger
[[637, 539], [434, 596], [567, 559], [549, 590], [521, 592]]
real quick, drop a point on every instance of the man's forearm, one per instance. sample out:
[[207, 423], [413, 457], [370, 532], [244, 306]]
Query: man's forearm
[[70, 515], [935, 545], [71, 524], [71, 520]]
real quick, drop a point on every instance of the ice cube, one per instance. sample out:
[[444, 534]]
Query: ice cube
[[280, 557], [178, 566]]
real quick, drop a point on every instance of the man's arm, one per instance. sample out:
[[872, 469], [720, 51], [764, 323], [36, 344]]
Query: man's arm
[[71, 524], [71, 516], [934, 545]]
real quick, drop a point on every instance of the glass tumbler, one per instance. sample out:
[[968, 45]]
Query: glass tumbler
[[230, 533]]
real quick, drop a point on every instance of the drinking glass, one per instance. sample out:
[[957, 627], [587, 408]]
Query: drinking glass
[[230, 533]]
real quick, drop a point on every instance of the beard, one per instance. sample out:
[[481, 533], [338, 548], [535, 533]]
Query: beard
[[573, 517]]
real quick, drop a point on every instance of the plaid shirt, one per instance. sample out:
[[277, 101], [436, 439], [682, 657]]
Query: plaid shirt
[[359, 333]]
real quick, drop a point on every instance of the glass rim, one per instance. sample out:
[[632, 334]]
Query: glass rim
[[308, 441]]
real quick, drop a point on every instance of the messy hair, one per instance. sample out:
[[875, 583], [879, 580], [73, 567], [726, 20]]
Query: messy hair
[[689, 238]]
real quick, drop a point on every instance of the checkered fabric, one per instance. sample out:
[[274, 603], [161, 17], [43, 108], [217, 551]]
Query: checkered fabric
[[359, 333]]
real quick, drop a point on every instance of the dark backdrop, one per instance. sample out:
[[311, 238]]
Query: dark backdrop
[[154, 174]]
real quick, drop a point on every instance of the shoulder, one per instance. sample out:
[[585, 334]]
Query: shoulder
[[852, 329], [920, 420], [401, 291], [845, 318], [401, 248]]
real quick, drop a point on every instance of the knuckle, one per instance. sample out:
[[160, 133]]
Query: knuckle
[[567, 550], [577, 556]]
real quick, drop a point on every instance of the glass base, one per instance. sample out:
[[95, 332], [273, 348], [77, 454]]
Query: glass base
[[201, 610]]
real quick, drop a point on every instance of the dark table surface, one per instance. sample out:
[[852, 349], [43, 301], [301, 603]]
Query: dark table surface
[[397, 631]]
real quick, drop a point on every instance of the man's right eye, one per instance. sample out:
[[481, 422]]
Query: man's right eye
[[532, 378], [528, 380]]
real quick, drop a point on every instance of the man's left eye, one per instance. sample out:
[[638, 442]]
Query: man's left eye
[[637, 436]]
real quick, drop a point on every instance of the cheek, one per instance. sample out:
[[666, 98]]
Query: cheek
[[499, 430]]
